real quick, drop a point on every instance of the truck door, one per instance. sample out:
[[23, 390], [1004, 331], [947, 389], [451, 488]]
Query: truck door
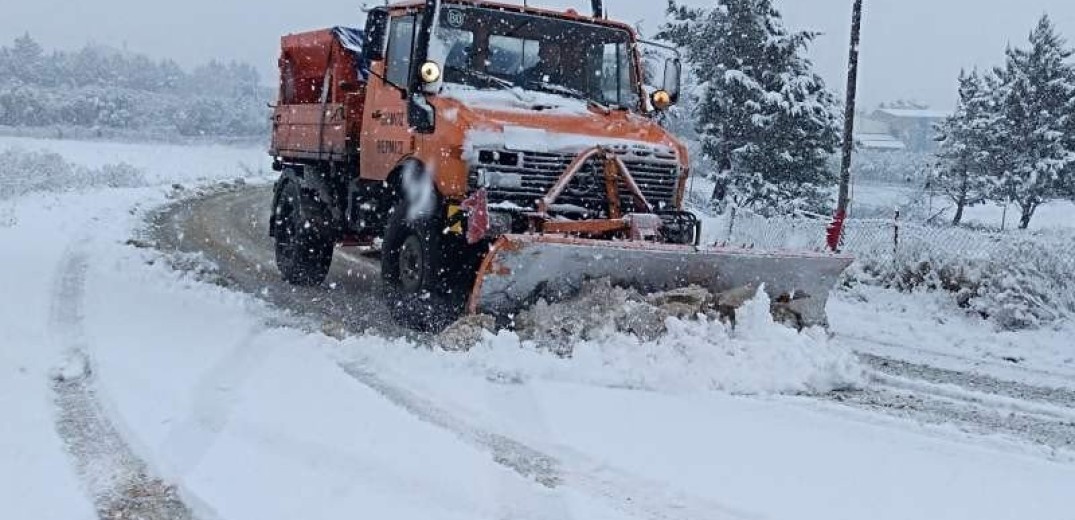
[[386, 136]]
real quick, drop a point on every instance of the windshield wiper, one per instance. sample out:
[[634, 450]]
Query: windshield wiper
[[575, 93], [499, 82]]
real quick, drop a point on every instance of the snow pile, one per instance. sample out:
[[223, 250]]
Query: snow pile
[[690, 354], [599, 310], [23, 172]]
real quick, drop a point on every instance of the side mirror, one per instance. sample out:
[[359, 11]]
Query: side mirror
[[673, 74], [349, 86], [662, 69], [376, 33]]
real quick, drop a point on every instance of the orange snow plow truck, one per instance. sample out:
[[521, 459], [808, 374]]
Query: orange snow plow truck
[[498, 154]]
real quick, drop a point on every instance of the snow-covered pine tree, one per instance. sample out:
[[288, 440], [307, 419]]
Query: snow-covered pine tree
[[765, 118], [1034, 94], [964, 158], [25, 60], [1067, 181]]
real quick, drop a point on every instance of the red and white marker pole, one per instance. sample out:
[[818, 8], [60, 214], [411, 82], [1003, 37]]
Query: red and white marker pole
[[836, 228]]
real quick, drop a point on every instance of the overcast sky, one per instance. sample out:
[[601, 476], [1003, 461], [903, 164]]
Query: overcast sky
[[911, 48]]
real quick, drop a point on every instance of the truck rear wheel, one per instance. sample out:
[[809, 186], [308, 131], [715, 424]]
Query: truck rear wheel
[[303, 247], [414, 270]]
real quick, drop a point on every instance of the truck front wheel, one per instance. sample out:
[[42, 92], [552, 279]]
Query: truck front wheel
[[303, 244], [414, 271]]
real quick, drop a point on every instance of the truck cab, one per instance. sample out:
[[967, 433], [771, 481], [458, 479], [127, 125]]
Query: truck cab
[[444, 125]]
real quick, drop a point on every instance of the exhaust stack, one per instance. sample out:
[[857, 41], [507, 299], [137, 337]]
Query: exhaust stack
[[598, 9]]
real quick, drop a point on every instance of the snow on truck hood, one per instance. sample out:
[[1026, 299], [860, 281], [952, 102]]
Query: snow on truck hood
[[515, 99], [529, 139], [521, 120]]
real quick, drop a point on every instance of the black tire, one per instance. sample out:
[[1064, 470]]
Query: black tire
[[304, 240], [418, 262]]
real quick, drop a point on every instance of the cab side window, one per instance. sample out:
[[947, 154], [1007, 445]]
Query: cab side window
[[400, 49]]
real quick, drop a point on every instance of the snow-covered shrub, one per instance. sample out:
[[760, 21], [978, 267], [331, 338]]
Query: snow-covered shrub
[[1017, 280], [24, 172], [1034, 287]]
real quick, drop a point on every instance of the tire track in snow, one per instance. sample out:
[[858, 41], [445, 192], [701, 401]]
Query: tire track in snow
[[975, 403], [516, 500], [631, 495], [971, 380], [213, 398], [1050, 384], [120, 484]]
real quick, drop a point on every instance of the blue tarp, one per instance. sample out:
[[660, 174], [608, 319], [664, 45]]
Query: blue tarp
[[353, 40]]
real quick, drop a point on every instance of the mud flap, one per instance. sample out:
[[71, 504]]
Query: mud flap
[[520, 269]]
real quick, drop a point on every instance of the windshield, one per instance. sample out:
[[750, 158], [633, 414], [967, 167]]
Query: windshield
[[490, 49]]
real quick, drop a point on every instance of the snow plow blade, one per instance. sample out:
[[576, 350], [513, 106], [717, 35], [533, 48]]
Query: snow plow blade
[[521, 269]]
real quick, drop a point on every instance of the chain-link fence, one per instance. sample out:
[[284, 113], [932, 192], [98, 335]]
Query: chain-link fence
[[889, 238]]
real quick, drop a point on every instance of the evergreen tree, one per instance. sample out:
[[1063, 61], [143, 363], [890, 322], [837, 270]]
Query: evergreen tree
[[25, 59], [966, 151], [1067, 182], [765, 119], [1034, 97]]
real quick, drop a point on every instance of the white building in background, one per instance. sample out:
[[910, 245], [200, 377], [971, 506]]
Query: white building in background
[[871, 135], [898, 129]]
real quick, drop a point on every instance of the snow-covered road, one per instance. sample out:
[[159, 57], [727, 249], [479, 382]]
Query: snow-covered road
[[204, 380]]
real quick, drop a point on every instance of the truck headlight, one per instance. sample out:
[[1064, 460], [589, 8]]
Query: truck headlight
[[488, 179], [661, 99], [430, 72]]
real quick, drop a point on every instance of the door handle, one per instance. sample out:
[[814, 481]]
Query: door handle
[[377, 114]]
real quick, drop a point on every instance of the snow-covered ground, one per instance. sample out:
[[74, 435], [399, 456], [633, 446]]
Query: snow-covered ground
[[252, 416]]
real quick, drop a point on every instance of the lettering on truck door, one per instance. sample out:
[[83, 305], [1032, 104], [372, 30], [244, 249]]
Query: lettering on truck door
[[386, 137]]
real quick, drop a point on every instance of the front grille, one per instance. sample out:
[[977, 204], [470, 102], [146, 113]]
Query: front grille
[[532, 175]]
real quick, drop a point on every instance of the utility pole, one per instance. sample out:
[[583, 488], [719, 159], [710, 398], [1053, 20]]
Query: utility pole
[[835, 230]]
